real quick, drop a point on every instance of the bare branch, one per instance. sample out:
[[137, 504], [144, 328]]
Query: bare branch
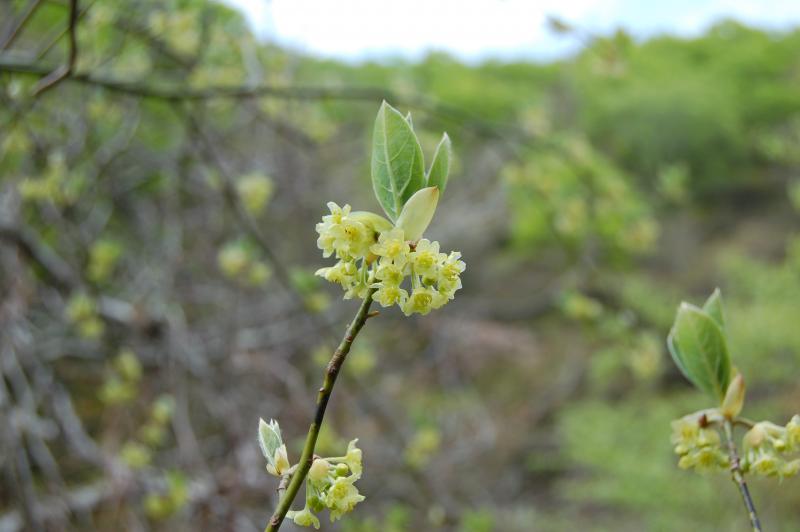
[[16, 29], [288, 92], [53, 267], [61, 73]]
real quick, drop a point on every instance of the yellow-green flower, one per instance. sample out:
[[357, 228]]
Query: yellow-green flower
[[452, 267], [793, 433], [303, 518], [704, 459], [389, 294], [699, 448], [422, 300], [357, 289], [790, 469], [326, 228], [343, 272], [425, 258], [344, 235], [353, 458], [765, 463], [342, 496], [449, 279], [354, 239], [389, 273], [392, 245], [684, 433]]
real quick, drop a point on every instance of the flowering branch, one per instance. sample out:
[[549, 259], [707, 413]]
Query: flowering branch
[[331, 372], [738, 477], [380, 259], [698, 344]]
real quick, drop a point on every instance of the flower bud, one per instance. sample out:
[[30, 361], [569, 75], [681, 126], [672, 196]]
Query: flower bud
[[790, 469], [315, 504], [734, 398], [418, 212], [279, 465], [342, 470], [319, 470], [755, 437]]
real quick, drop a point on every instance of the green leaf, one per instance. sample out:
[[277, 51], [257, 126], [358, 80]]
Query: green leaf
[[440, 167], [714, 308], [418, 212], [269, 438], [698, 346], [398, 169]]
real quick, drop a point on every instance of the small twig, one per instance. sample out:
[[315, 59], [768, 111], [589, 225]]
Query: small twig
[[331, 372], [61, 73], [231, 197], [738, 477], [369, 94], [55, 37], [282, 485], [17, 29], [56, 270], [60, 275]]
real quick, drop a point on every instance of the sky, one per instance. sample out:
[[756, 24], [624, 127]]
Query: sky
[[473, 30]]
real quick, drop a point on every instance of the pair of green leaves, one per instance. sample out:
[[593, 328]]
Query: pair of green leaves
[[398, 165], [698, 345]]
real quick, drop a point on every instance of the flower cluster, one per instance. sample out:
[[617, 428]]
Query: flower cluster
[[331, 484], [769, 447], [375, 254], [698, 445]]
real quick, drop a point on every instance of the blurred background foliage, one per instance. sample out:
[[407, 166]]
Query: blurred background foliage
[[157, 212]]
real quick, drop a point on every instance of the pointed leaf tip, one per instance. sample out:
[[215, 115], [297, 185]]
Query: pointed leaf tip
[[714, 307], [418, 213], [440, 166]]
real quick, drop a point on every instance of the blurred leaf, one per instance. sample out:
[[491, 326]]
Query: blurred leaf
[[699, 349], [714, 308]]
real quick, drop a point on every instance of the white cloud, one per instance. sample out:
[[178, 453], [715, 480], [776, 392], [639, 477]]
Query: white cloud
[[366, 28], [474, 29]]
